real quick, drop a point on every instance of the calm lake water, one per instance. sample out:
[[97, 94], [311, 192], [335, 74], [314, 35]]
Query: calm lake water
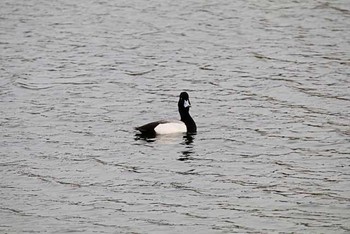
[[269, 85]]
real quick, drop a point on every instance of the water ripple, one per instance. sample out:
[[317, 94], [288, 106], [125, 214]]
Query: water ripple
[[269, 91]]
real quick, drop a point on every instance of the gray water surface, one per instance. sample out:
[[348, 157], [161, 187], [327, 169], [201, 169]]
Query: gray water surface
[[269, 87]]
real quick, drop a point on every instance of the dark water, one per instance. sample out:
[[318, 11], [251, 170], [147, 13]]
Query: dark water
[[269, 85]]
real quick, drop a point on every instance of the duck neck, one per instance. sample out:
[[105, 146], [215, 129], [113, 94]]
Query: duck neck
[[187, 119]]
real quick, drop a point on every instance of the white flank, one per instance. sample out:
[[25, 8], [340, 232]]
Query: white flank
[[172, 127]]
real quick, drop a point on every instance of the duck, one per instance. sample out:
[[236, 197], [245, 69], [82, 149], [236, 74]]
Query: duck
[[185, 125]]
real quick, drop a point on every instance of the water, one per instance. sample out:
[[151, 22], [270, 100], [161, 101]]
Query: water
[[269, 85]]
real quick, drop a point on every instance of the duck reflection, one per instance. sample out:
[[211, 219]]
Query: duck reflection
[[145, 137], [187, 153], [188, 138], [187, 142]]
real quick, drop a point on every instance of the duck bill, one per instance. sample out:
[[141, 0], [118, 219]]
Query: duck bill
[[187, 103]]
